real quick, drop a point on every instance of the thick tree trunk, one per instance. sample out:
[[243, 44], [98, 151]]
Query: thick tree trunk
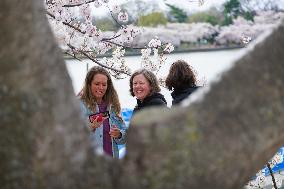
[[222, 140], [42, 137], [218, 142]]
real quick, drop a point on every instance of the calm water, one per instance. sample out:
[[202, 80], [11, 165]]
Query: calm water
[[208, 65]]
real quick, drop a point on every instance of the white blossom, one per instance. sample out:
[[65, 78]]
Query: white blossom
[[169, 48], [97, 3], [162, 81], [105, 1], [122, 16], [278, 182], [85, 11], [118, 52], [116, 9], [200, 2], [146, 52], [243, 31], [245, 39], [155, 43], [278, 158], [261, 181]]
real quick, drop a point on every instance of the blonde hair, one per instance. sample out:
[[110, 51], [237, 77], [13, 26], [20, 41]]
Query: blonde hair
[[110, 97]]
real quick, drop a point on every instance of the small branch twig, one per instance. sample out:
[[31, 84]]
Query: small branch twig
[[73, 55], [272, 175], [111, 14], [127, 47], [97, 62], [83, 32], [77, 5]]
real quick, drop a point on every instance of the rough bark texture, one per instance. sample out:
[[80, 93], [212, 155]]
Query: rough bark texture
[[219, 142], [41, 138]]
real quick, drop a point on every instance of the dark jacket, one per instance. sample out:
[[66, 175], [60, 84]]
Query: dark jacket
[[156, 99], [179, 95]]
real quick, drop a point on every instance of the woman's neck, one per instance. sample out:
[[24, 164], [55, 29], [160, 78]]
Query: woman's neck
[[99, 101]]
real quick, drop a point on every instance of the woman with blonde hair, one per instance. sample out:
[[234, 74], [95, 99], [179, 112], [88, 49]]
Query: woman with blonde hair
[[100, 104]]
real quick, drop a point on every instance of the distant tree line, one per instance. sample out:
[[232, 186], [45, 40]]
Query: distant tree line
[[151, 15]]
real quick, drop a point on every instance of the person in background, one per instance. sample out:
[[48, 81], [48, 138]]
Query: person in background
[[144, 86], [99, 97], [182, 80]]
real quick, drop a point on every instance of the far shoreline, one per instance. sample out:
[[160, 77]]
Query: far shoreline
[[201, 49]]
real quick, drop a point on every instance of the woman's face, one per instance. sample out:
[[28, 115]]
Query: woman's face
[[99, 86], [141, 87]]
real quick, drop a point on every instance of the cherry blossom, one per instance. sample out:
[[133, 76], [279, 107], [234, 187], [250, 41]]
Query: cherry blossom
[[72, 25]]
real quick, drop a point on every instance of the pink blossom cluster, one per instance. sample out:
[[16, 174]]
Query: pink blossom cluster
[[71, 21]]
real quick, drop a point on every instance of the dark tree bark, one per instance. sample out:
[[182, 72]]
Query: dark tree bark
[[217, 142], [40, 123], [222, 140]]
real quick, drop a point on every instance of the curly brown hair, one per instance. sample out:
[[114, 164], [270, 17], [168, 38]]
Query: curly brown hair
[[180, 76], [110, 97], [150, 76]]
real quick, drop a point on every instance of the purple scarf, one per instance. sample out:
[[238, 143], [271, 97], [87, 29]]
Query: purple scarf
[[107, 144]]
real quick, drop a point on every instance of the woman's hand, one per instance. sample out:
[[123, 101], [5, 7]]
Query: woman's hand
[[115, 132], [97, 122]]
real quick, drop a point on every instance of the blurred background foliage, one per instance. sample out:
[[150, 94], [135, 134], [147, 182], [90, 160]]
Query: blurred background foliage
[[150, 13]]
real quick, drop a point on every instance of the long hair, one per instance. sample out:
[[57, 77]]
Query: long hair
[[180, 76], [150, 76], [110, 97]]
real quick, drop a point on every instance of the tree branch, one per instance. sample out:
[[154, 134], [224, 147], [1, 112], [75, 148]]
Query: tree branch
[[97, 62], [272, 176]]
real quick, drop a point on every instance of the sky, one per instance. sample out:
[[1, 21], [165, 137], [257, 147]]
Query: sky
[[188, 5]]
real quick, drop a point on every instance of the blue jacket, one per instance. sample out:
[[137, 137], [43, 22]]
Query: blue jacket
[[97, 135]]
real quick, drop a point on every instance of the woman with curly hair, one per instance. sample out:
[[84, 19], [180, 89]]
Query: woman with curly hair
[[144, 86], [182, 80], [100, 103]]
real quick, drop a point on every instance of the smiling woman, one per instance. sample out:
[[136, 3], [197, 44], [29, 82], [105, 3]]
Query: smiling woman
[[98, 97], [145, 87], [204, 63], [99, 87]]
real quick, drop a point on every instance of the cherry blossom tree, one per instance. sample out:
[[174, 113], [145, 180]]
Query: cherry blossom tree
[[78, 37], [242, 31], [42, 145], [264, 5]]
